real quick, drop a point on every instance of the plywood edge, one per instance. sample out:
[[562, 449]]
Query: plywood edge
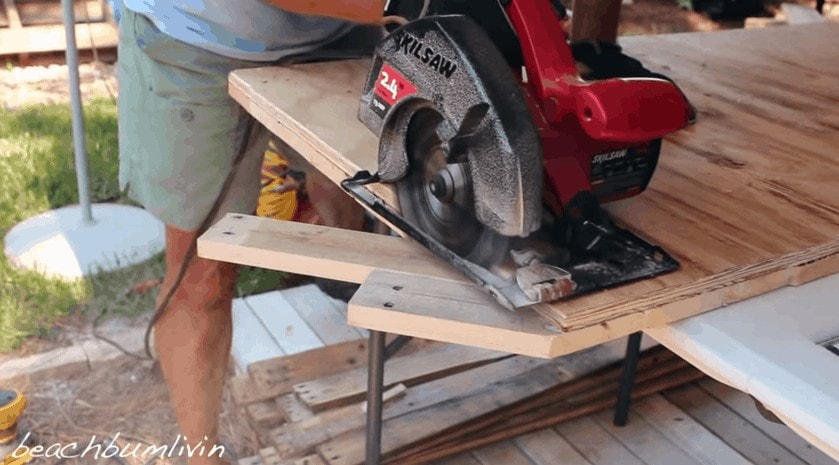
[[717, 290], [314, 250]]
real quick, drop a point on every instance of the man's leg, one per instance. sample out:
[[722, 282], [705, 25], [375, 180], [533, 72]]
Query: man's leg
[[192, 338], [595, 20]]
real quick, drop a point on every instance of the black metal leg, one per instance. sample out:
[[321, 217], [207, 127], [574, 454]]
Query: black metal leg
[[396, 345], [375, 381], [630, 363]]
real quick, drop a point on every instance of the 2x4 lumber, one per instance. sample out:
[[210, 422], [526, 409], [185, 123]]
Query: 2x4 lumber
[[314, 250], [460, 313]]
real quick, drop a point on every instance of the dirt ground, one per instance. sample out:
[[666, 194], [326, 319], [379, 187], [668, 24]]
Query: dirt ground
[[127, 396]]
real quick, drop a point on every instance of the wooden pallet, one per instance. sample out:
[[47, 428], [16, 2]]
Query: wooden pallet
[[705, 423], [442, 399], [36, 26]]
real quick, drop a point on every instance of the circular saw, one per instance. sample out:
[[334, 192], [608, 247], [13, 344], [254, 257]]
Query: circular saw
[[502, 154]]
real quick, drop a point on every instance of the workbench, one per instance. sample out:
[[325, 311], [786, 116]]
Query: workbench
[[747, 200]]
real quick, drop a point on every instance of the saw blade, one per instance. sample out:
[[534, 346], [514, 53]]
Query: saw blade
[[436, 195]]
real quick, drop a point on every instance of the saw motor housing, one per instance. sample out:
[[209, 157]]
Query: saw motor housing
[[534, 135]]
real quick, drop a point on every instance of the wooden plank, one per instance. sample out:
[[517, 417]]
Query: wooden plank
[[285, 325], [348, 449], [275, 377], [558, 404], [547, 447], [346, 387], [648, 444], [736, 431], [774, 357], [264, 414], [293, 409], [34, 39], [761, 139], [41, 13], [326, 316], [596, 444], [704, 446], [744, 406], [293, 439], [463, 459], [502, 453], [315, 250], [252, 341], [461, 313]]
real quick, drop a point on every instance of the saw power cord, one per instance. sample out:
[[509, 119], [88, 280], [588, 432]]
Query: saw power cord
[[188, 256]]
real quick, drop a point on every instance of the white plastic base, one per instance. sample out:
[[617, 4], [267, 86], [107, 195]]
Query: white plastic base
[[58, 243]]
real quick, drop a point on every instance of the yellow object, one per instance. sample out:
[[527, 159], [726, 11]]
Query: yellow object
[[279, 196], [13, 403], [12, 460]]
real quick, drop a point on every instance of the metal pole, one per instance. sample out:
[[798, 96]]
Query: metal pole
[[79, 144], [375, 380], [630, 363]]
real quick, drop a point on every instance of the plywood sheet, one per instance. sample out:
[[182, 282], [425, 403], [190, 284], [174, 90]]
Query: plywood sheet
[[747, 199]]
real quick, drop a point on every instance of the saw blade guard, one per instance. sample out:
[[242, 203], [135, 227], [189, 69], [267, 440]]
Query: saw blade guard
[[448, 64]]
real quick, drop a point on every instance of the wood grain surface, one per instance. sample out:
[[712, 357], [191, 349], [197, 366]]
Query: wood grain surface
[[747, 199]]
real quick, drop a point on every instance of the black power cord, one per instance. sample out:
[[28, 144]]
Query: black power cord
[[190, 253], [205, 224]]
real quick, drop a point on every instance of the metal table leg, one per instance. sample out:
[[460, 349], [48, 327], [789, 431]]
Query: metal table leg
[[630, 363], [375, 381]]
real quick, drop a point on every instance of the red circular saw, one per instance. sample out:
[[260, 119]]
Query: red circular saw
[[502, 153]]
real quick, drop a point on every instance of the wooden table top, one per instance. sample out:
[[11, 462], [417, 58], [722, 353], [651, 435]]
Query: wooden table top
[[747, 199]]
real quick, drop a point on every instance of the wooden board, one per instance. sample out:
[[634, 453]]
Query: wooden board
[[745, 199], [770, 347], [51, 38]]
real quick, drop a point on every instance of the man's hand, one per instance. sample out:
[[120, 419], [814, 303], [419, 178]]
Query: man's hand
[[359, 11]]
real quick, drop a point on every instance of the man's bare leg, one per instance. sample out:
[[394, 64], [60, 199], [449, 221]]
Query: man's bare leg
[[193, 339], [595, 20]]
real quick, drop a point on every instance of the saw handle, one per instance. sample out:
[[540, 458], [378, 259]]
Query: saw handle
[[631, 110], [626, 110]]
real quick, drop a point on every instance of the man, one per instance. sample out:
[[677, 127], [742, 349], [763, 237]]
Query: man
[[180, 136]]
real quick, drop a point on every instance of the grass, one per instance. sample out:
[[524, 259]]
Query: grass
[[37, 174]]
